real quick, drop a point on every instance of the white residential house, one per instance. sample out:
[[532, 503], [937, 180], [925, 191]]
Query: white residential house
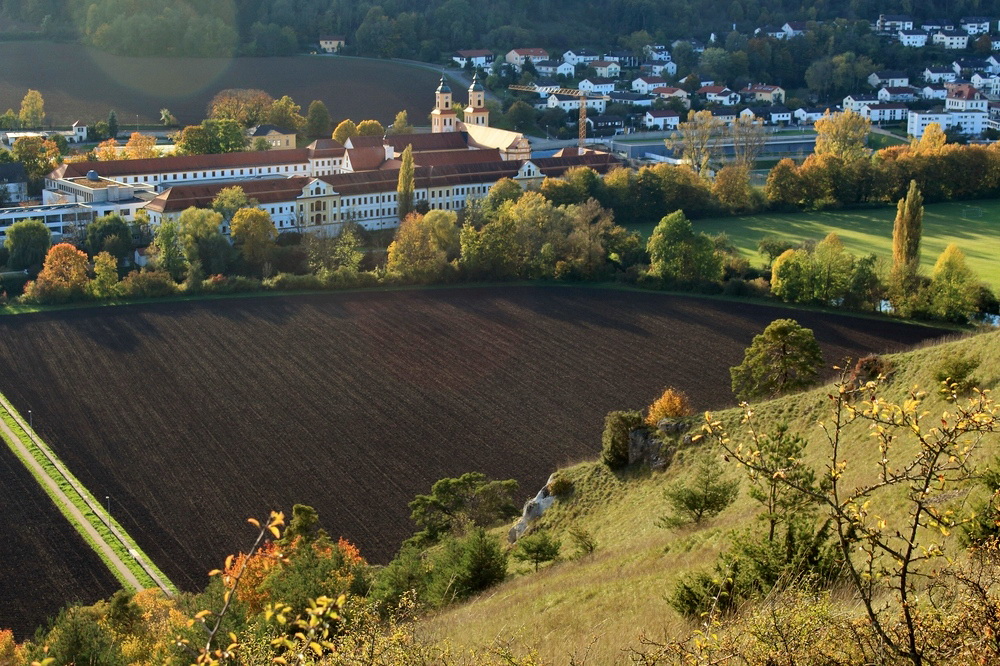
[[965, 98], [670, 92], [660, 68], [719, 95], [951, 39], [894, 22], [571, 103], [726, 116], [934, 91], [912, 38], [975, 25], [855, 102], [577, 57], [779, 115], [884, 113], [624, 58], [554, 68], [607, 69], [644, 84], [933, 25], [770, 31], [518, 57], [658, 52], [662, 120], [939, 74], [970, 123], [794, 29], [995, 43], [597, 85], [480, 58], [967, 66], [893, 94], [986, 83], [888, 77], [809, 115], [331, 43], [14, 179], [632, 99]]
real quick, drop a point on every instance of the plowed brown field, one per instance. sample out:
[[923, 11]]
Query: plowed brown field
[[194, 416], [44, 563]]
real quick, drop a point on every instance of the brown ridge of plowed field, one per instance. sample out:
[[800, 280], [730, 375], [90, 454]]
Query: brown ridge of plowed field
[[193, 416], [81, 83], [44, 563]]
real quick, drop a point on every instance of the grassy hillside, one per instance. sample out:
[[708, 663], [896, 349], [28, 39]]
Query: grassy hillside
[[599, 605], [974, 226]]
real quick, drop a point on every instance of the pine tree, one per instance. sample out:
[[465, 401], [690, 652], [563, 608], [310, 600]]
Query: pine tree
[[113, 124], [406, 184]]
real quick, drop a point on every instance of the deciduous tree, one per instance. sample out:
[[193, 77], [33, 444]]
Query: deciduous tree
[[697, 138], [370, 128], [28, 241], [107, 151], [284, 113], [247, 107], [140, 147], [671, 404], [783, 358], [253, 234], [39, 156], [201, 240], [112, 124], [231, 199], [954, 287], [105, 282], [165, 252], [32, 110], [732, 188], [110, 233], [345, 130], [676, 252], [317, 120], [401, 124], [842, 134], [784, 187]]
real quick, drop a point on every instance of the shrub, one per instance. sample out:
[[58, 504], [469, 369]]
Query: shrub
[[560, 486], [583, 541], [41, 292], [292, 282], [147, 284], [954, 374], [672, 404], [614, 441], [869, 368], [231, 284]]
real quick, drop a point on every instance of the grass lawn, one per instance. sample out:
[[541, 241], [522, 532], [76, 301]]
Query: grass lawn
[[880, 141], [864, 231]]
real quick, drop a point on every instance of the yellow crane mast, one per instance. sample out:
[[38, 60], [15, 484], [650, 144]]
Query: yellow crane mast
[[582, 95]]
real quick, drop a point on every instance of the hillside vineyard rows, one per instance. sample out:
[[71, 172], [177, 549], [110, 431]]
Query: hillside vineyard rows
[[194, 416]]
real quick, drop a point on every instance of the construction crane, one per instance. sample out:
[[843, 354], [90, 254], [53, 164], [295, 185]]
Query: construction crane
[[582, 95]]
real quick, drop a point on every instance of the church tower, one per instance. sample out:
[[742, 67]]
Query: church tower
[[443, 117], [477, 113]]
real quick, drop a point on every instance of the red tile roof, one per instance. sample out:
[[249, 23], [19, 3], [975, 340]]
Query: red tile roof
[[182, 163], [264, 190]]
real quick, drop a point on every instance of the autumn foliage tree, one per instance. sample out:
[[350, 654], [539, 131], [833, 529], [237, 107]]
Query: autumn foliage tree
[[843, 135], [671, 404], [107, 151], [140, 147], [63, 276], [253, 234]]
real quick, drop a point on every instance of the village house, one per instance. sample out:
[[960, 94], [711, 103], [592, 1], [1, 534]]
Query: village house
[[597, 85], [479, 58], [554, 68], [608, 69], [988, 84], [888, 77], [760, 92], [951, 39], [578, 57], [658, 52], [278, 138], [670, 92], [912, 38], [975, 25], [571, 103], [518, 57], [724, 115], [631, 99], [933, 25], [854, 102], [719, 95], [795, 28], [971, 123], [659, 68], [14, 179], [625, 59], [964, 67], [808, 115], [661, 119], [894, 94], [644, 84], [771, 31], [331, 43], [885, 113], [696, 46], [965, 98], [894, 22], [934, 91], [939, 74], [606, 125]]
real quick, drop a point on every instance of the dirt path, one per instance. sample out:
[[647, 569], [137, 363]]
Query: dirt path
[[109, 554]]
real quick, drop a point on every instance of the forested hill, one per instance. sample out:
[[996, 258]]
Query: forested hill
[[426, 28]]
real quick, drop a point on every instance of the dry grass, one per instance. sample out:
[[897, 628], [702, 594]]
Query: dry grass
[[599, 605]]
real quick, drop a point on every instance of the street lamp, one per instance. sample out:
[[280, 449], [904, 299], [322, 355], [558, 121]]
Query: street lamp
[[107, 498], [31, 420]]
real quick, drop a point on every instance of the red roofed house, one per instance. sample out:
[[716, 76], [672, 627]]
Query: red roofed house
[[520, 56], [669, 92], [719, 95], [760, 92]]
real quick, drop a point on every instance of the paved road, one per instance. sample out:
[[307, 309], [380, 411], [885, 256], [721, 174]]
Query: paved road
[[125, 573]]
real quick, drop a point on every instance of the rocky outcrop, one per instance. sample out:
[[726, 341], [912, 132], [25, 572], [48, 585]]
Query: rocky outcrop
[[533, 509], [657, 449]]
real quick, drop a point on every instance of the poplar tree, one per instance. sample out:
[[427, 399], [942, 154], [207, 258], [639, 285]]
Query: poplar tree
[[406, 184], [906, 231]]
